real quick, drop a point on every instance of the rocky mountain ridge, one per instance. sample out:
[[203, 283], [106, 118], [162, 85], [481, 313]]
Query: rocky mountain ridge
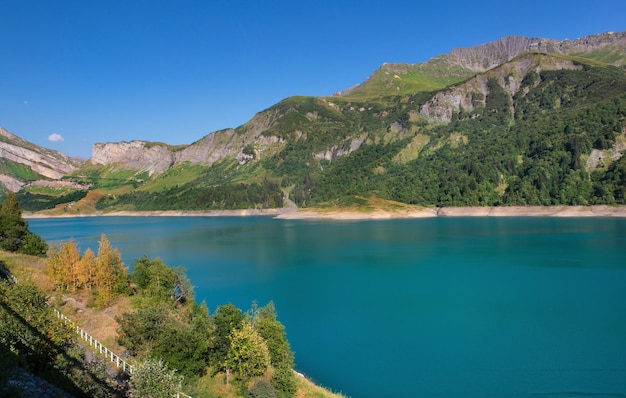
[[462, 63], [243, 144], [44, 162]]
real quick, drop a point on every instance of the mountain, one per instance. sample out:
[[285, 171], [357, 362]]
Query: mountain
[[462, 63], [515, 122], [22, 162]]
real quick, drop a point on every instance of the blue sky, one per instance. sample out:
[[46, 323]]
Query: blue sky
[[77, 72]]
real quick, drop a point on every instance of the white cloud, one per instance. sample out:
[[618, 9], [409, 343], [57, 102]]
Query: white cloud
[[55, 137]]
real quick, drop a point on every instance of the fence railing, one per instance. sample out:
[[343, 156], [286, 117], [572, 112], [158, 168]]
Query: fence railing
[[95, 344]]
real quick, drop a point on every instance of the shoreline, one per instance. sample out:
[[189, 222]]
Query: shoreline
[[377, 214]]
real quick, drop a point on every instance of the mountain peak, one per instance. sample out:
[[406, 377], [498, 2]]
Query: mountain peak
[[462, 63]]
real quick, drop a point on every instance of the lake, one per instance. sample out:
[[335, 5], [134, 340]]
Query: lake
[[436, 307]]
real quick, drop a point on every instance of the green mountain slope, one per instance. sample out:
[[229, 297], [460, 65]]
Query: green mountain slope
[[531, 147], [525, 138], [491, 125]]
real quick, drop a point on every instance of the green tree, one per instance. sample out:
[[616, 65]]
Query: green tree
[[154, 278], [14, 233], [28, 327], [153, 379], [248, 356], [180, 340], [226, 319], [160, 282], [139, 331], [265, 322]]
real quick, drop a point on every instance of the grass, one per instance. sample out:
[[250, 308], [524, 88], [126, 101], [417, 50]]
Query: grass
[[403, 79], [49, 191], [413, 149], [19, 171], [364, 205], [176, 176]]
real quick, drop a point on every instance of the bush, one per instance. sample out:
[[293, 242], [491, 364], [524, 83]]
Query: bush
[[262, 389]]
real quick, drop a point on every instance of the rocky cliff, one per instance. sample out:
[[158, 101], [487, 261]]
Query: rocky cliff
[[486, 56], [45, 162], [155, 158], [462, 63], [139, 155], [473, 93]]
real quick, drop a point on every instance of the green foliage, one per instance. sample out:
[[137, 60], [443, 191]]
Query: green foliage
[[262, 389], [26, 324], [35, 202], [284, 381], [248, 355], [265, 322], [153, 379], [182, 342], [32, 338], [195, 196], [155, 279], [226, 319], [527, 149], [14, 233]]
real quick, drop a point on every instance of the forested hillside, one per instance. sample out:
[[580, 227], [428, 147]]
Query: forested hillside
[[532, 148], [493, 125]]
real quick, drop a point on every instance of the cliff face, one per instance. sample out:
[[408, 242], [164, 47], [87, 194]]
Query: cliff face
[[473, 93], [138, 155], [156, 158], [45, 162], [486, 56]]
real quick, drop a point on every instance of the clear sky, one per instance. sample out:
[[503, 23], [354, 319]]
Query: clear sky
[[77, 72]]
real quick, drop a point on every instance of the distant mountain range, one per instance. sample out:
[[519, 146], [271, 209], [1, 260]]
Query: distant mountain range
[[518, 121]]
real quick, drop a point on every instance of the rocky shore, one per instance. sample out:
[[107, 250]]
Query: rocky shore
[[290, 213], [508, 211]]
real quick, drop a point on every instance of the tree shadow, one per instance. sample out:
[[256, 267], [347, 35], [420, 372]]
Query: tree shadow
[[23, 345]]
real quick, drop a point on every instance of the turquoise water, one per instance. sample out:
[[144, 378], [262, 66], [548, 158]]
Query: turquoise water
[[442, 307]]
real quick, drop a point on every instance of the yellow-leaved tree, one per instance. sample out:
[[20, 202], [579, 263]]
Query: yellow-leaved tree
[[104, 274]]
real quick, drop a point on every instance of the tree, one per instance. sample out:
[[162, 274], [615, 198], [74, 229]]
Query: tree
[[110, 273], [156, 280], [265, 322], [140, 331], [71, 258], [155, 331], [87, 269], [14, 233], [28, 326], [153, 379], [226, 319], [248, 356]]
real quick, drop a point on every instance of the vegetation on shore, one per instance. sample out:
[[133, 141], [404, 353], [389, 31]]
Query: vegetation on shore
[[174, 342]]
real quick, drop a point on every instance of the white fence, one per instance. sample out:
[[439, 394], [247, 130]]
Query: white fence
[[95, 344]]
